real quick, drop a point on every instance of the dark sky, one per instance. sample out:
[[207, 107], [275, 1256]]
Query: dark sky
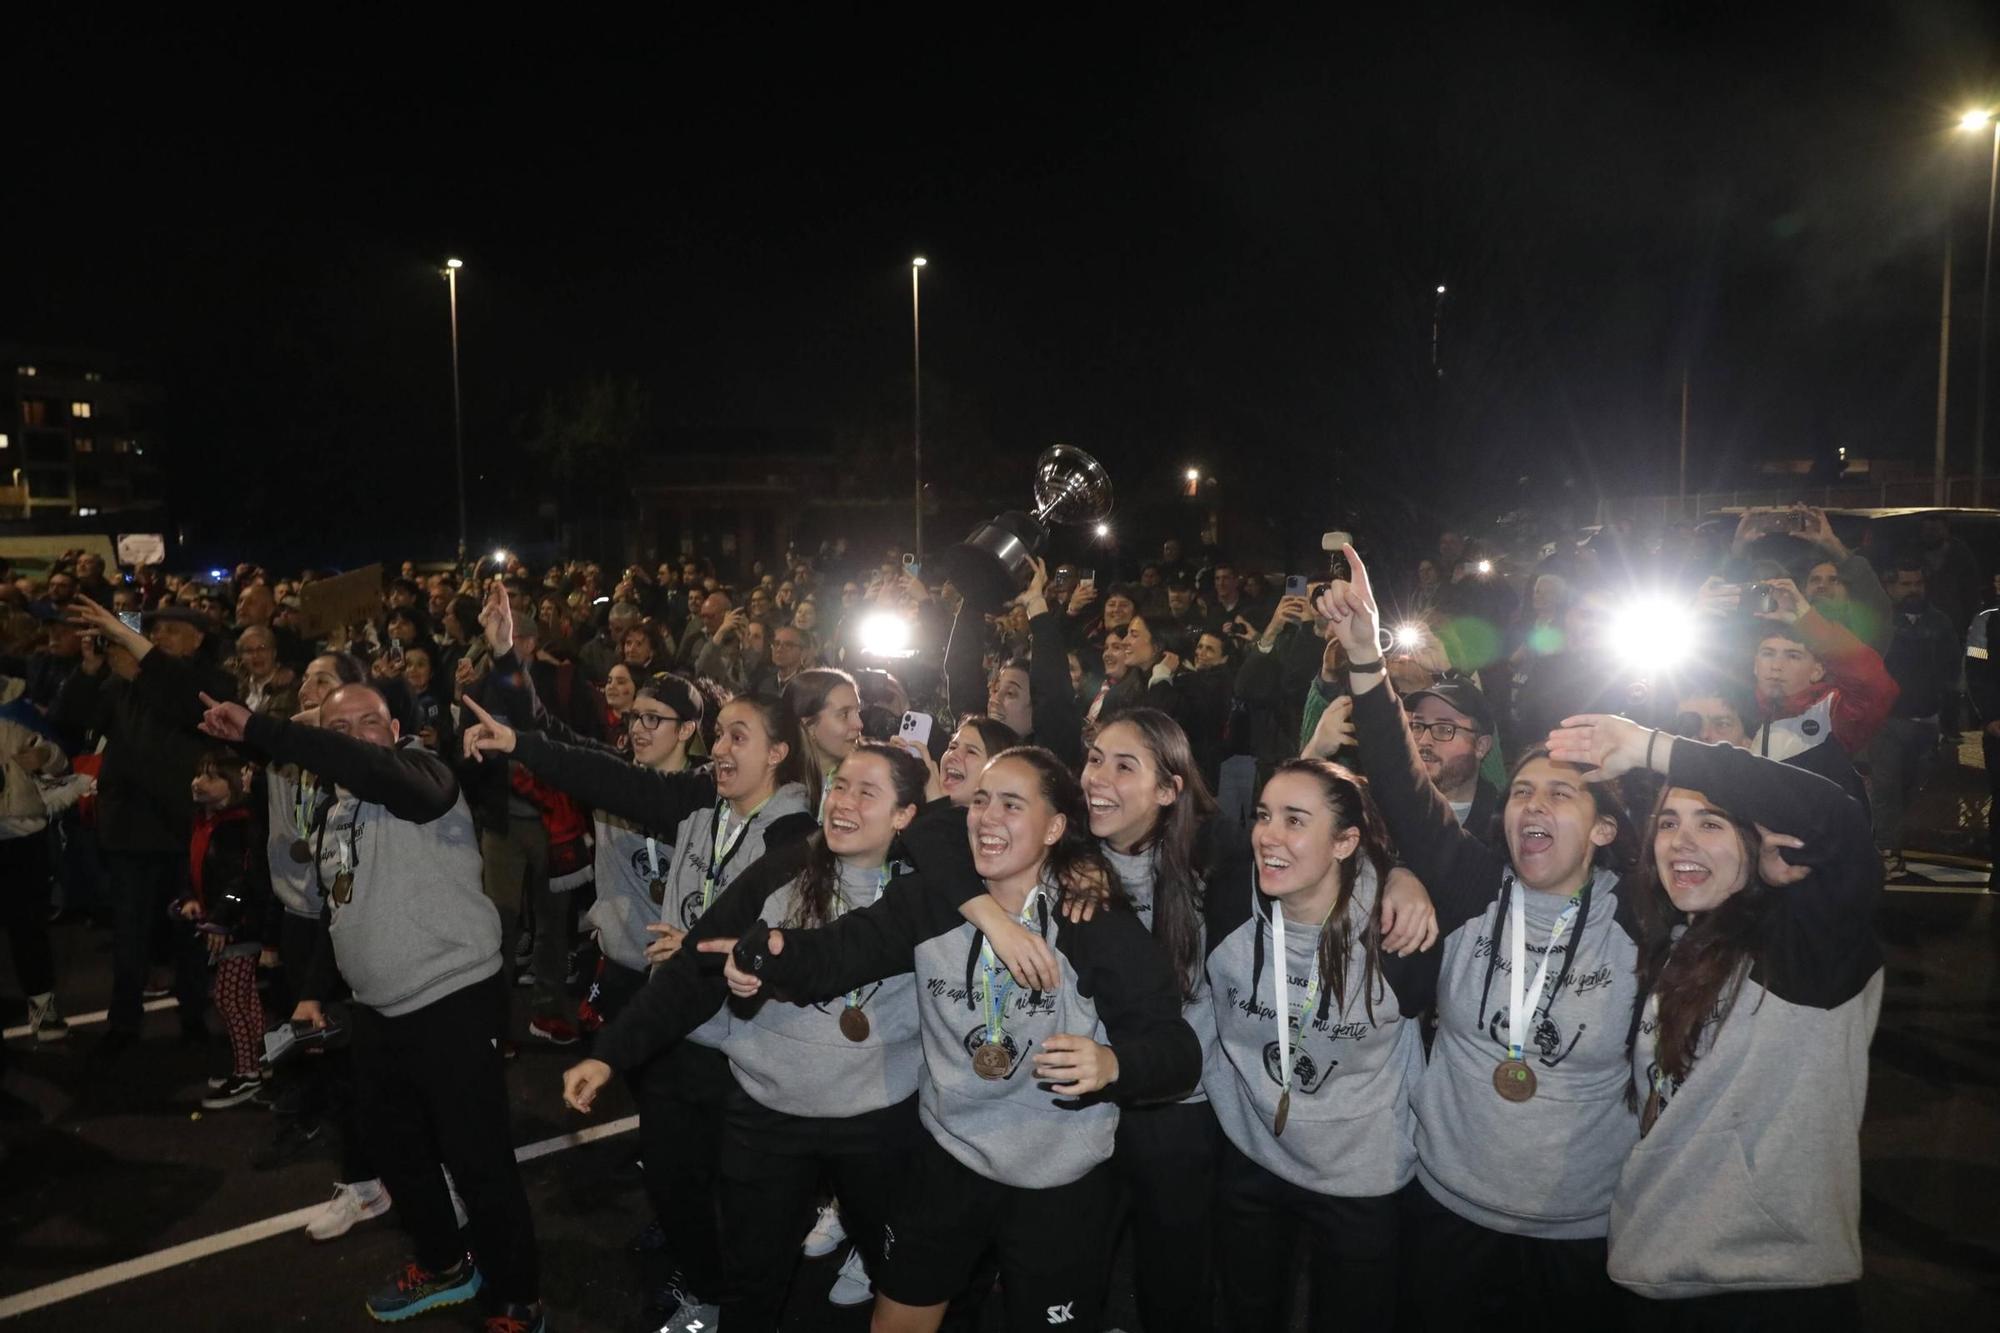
[[1162, 242]]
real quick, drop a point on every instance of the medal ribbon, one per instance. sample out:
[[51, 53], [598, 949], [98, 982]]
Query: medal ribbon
[[854, 996], [1517, 928], [992, 1003], [719, 856], [1290, 1025], [304, 797]]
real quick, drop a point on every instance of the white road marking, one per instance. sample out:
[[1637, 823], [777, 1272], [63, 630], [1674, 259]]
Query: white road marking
[[176, 1255], [96, 1016]]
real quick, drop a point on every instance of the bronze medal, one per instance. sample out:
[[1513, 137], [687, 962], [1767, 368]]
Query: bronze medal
[[1655, 1104], [1513, 1080], [656, 889], [302, 851], [991, 1061], [343, 886], [1284, 1113], [854, 1024]]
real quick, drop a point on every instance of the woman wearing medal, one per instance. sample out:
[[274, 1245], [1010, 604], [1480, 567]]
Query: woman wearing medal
[[759, 803], [1741, 1205], [823, 1091], [1020, 1086], [1521, 1118]]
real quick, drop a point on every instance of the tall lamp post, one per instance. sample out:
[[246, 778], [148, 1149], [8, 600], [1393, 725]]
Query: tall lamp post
[[917, 395], [451, 268], [1974, 121]]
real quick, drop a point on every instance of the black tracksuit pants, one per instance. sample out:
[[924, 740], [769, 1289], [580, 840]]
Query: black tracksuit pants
[[432, 1091], [681, 1097], [1261, 1223], [1165, 1163], [1458, 1274]]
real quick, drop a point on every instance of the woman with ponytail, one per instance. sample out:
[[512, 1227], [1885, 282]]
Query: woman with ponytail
[[822, 1091], [1021, 1086], [1741, 1205]]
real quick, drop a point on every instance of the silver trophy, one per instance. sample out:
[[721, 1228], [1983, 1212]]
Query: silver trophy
[[994, 563]]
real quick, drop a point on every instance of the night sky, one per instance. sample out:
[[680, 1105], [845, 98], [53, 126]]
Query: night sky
[[1164, 242]]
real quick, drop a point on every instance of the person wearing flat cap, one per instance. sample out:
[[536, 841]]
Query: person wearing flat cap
[[140, 692]]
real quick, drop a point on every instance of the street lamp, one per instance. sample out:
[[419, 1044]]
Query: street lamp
[[917, 397], [1975, 121], [450, 273]]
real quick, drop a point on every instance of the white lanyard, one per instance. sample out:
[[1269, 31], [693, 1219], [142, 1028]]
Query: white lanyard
[[1281, 999], [1518, 1013], [652, 856]]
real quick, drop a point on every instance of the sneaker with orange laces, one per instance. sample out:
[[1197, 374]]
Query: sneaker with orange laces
[[417, 1290], [518, 1319]]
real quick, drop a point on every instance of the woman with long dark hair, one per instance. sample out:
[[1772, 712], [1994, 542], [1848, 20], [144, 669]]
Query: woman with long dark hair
[[822, 1091], [1021, 1086], [1521, 1122], [828, 707], [1741, 1205]]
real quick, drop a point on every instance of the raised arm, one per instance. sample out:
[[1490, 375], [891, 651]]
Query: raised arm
[[407, 780]]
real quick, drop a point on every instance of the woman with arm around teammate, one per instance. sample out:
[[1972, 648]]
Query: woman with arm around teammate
[[1521, 1116], [1741, 1206]]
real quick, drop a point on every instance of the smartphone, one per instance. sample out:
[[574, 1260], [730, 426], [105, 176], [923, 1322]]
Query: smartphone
[[916, 729], [1297, 585], [132, 621], [911, 565], [1331, 543], [395, 650]]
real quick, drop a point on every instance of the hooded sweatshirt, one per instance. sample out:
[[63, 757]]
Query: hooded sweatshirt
[[417, 925], [1544, 1167], [1116, 989], [291, 815], [1348, 1130], [1750, 1178], [1136, 872]]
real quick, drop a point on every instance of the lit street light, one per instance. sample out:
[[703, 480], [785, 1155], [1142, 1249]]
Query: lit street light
[[917, 398], [1975, 121], [451, 268]]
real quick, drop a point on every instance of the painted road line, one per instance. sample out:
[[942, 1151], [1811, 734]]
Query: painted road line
[[176, 1255], [96, 1016]]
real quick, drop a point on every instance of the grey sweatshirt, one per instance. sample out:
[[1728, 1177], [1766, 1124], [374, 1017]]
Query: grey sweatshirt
[[291, 880], [1116, 989], [1750, 1179], [694, 848], [792, 1057], [418, 924], [623, 872], [1136, 874], [1349, 1131], [1471, 1141]]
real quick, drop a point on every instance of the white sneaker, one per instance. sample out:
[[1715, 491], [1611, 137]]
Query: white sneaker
[[827, 1233], [457, 1204], [46, 1020], [852, 1286], [350, 1204], [694, 1319]]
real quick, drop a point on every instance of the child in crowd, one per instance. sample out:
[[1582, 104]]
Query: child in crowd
[[229, 903]]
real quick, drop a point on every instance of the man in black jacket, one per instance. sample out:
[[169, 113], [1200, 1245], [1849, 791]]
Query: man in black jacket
[[1923, 658], [135, 690]]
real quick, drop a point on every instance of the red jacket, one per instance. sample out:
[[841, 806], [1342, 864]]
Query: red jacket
[[1857, 683]]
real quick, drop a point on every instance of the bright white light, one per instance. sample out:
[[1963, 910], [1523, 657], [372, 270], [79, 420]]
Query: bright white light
[[1653, 634], [1440, 289], [500, 556], [919, 262], [1409, 636], [1194, 474], [1975, 120], [454, 263], [1104, 529], [886, 634], [1484, 566]]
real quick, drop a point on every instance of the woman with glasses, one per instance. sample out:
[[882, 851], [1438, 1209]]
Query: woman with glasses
[[1521, 1117]]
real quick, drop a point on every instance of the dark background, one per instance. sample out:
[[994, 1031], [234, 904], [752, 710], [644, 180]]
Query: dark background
[[1168, 242]]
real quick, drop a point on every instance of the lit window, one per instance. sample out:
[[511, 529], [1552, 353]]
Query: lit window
[[34, 412], [25, 372], [3, 441], [81, 411], [85, 445], [86, 513], [92, 376]]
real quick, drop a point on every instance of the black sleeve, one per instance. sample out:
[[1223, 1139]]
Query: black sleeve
[[614, 784], [1818, 945], [408, 781], [964, 655], [172, 688], [1461, 873], [1058, 719], [1125, 971], [79, 703], [687, 990], [876, 942]]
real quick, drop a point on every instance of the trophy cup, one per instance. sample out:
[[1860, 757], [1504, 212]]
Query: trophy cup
[[994, 563]]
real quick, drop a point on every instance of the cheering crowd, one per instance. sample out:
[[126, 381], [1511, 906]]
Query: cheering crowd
[[1422, 937]]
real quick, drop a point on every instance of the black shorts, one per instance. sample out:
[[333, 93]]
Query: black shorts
[[1053, 1244]]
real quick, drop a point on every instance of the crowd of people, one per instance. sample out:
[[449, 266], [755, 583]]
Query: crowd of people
[[1424, 939]]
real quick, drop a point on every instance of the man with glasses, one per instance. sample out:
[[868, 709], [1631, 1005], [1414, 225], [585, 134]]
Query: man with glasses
[[789, 648], [1453, 728], [414, 935]]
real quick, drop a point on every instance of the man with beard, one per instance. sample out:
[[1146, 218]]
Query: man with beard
[[1923, 659]]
